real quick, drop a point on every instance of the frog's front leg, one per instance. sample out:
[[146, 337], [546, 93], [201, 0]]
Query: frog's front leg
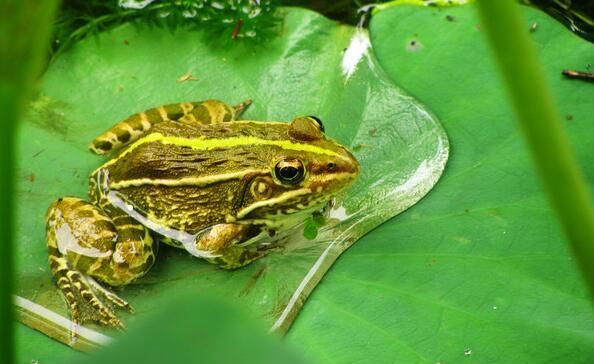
[[84, 243], [229, 245]]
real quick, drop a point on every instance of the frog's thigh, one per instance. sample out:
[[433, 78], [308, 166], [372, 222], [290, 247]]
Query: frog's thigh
[[85, 243], [211, 112], [221, 240], [133, 128]]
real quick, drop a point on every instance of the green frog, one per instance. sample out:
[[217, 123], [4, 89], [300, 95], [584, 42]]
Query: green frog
[[194, 176]]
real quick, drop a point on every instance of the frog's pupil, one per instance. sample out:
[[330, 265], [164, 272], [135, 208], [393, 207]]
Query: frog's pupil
[[289, 172]]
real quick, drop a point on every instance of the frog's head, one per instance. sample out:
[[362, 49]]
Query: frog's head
[[306, 172]]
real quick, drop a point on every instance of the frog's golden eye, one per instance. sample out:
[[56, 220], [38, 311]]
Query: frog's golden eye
[[289, 171], [319, 122]]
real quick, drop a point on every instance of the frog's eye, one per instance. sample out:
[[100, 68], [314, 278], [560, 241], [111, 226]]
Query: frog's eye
[[289, 171], [306, 128], [319, 122]]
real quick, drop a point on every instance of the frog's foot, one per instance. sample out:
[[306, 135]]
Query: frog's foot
[[232, 246], [88, 301], [240, 108], [110, 296]]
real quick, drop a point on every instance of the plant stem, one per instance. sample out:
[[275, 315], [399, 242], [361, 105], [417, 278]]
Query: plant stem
[[541, 125], [24, 36]]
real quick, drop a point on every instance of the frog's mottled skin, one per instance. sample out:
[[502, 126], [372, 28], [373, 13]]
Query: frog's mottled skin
[[192, 176]]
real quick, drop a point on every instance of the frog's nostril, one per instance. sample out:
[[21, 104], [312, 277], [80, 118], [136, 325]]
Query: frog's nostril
[[331, 166]]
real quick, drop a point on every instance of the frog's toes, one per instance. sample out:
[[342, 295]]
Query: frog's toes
[[88, 301], [110, 296]]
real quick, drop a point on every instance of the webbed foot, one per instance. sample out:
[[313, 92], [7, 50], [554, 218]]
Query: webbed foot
[[87, 299]]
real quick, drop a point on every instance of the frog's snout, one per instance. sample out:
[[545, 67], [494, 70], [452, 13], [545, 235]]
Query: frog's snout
[[350, 164]]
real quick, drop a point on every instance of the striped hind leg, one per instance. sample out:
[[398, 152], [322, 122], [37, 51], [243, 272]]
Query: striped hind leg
[[137, 125], [85, 243]]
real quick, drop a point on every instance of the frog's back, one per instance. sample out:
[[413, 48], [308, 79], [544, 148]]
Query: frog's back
[[191, 177]]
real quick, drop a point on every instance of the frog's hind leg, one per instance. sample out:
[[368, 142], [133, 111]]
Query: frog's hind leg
[[211, 112], [137, 125], [85, 243]]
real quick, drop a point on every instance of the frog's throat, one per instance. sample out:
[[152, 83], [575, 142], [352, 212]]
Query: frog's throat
[[202, 143]]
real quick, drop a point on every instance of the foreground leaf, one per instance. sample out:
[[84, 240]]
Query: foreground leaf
[[187, 328]]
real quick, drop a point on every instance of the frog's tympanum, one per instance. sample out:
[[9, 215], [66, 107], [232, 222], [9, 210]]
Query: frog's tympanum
[[192, 176]]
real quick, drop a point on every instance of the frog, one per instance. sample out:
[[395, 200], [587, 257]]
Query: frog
[[195, 176]]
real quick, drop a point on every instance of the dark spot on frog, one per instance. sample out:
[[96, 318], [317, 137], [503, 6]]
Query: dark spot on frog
[[31, 177], [126, 42], [103, 145], [124, 137], [568, 117], [450, 18], [372, 132]]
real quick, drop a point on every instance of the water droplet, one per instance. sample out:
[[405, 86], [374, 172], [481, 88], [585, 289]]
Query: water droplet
[[494, 307], [467, 352]]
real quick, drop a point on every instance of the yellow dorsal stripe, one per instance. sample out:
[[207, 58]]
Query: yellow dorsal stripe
[[186, 181], [202, 143]]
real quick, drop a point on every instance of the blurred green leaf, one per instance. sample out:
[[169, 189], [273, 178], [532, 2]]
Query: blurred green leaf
[[479, 271], [195, 329], [21, 60]]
